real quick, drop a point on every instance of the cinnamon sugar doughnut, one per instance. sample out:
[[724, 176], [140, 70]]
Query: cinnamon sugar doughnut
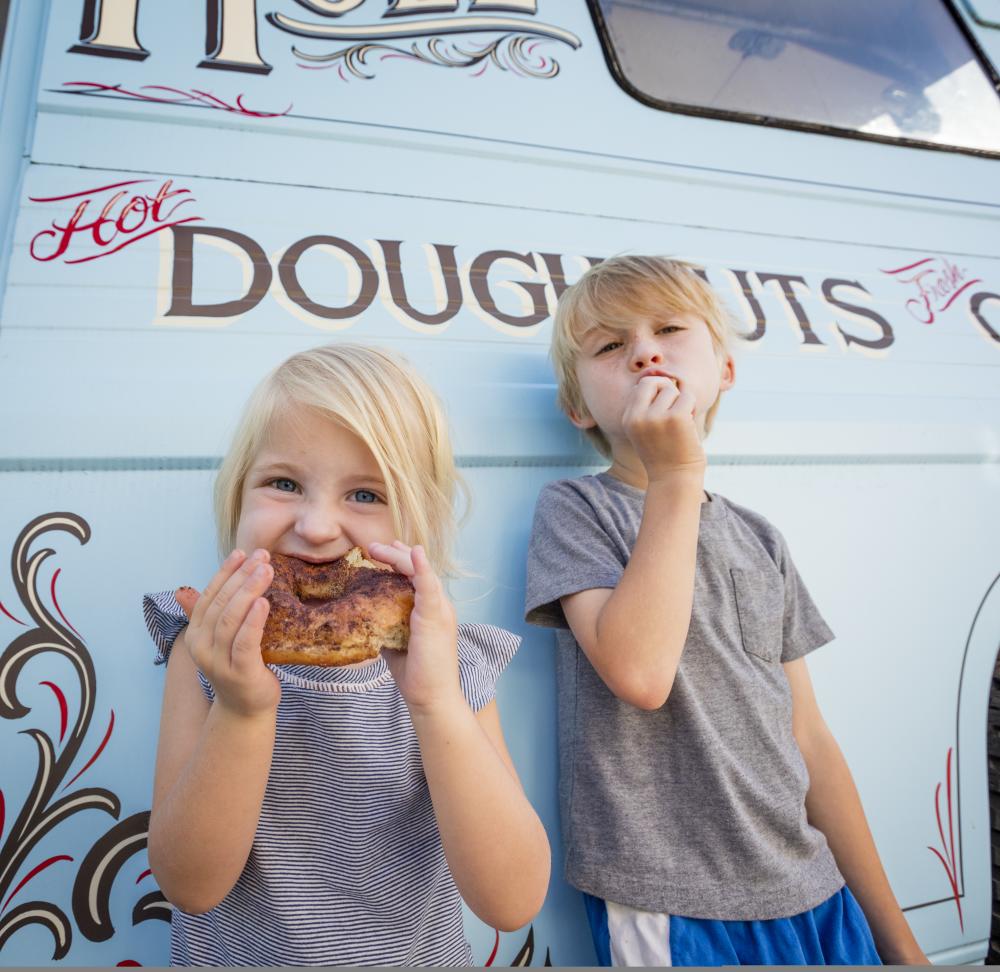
[[337, 613]]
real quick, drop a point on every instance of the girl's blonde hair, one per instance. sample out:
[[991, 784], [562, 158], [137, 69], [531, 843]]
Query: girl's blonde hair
[[383, 401], [621, 290]]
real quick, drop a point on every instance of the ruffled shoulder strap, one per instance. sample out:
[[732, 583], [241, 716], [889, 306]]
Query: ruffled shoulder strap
[[484, 651], [164, 618]]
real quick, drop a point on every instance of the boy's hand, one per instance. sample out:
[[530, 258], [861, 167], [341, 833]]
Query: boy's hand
[[224, 632], [427, 672], [659, 422]]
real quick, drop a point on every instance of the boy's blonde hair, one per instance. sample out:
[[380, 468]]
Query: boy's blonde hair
[[621, 289], [383, 401]]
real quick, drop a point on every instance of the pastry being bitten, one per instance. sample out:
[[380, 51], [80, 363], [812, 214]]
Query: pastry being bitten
[[336, 613]]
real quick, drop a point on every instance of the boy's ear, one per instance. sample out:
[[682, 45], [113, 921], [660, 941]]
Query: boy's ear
[[581, 419], [728, 377]]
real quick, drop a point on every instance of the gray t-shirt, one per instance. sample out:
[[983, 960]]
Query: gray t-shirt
[[696, 808]]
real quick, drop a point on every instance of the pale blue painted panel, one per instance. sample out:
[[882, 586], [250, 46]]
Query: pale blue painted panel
[[95, 333], [870, 520], [490, 106], [147, 395], [22, 43], [899, 563], [153, 530], [538, 182]]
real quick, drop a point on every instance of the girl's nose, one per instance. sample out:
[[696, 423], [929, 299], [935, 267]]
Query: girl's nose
[[317, 523]]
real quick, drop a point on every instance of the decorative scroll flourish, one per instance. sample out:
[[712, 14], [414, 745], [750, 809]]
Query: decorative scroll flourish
[[946, 855], [47, 803], [509, 52], [36, 913], [150, 907], [524, 954], [92, 890], [173, 96], [496, 945]]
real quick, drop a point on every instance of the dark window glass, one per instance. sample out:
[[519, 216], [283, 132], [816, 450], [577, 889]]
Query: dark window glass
[[4, 4], [891, 68]]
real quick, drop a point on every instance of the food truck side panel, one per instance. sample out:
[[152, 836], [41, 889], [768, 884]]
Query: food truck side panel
[[440, 212]]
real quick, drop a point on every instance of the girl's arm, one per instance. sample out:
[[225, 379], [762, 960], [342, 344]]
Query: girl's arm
[[213, 760], [496, 846], [834, 808]]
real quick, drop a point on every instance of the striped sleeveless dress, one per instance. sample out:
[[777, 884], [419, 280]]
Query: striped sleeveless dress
[[347, 866]]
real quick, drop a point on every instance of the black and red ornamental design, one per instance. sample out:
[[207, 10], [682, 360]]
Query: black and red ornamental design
[[47, 803], [524, 955], [51, 798]]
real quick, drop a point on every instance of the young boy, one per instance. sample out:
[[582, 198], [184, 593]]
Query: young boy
[[708, 814]]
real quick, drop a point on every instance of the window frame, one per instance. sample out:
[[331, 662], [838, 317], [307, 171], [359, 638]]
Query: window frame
[[770, 121]]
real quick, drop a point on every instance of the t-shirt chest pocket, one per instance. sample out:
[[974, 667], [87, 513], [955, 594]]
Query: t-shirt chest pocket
[[760, 605]]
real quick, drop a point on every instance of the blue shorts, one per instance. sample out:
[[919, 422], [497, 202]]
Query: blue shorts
[[833, 933]]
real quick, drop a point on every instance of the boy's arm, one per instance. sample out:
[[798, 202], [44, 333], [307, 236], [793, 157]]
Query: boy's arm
[[634, 634], [834, 808]]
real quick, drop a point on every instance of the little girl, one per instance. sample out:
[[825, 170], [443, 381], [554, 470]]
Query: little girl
[[332, 816]]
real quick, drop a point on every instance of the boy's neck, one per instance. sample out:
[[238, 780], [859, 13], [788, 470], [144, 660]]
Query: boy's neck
[[631, 471]]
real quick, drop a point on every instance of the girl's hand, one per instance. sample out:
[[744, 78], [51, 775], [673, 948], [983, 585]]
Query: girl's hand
[[224, 632], [427, 672], [659, 422]]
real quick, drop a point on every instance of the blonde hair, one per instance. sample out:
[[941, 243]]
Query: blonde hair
[[383, 401], [625, 287]]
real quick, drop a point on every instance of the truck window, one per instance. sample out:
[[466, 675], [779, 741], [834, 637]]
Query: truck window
[[896, 70], [4, 4]]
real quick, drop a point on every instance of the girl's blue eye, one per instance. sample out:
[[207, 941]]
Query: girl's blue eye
[[671, 328], [365, 496], [610, 346], [284, 485]]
